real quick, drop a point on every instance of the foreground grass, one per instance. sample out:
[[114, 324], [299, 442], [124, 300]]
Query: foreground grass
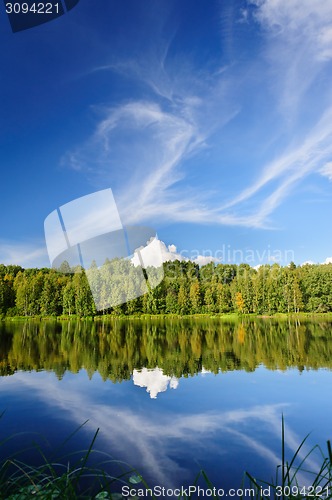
[[294, 478], [66, 478], [73, 478]]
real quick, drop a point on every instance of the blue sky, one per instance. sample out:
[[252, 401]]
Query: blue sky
[[210, 120]]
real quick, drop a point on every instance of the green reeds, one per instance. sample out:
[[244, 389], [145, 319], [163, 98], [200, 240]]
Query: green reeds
[[294, 478]]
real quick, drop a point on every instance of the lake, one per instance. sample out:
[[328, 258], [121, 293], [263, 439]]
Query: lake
[[170, 396]]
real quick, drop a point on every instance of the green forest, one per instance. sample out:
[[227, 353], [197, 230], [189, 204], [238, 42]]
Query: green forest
[[186, 289]]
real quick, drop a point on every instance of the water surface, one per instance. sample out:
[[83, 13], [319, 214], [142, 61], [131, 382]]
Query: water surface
[[170, 396]]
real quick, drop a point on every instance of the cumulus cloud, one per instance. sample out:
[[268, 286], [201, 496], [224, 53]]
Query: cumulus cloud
[[154, 381], [172, 248], [156, 252], [202, 260]]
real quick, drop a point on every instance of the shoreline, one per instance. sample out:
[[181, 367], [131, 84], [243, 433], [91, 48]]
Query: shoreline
[[211, 316]]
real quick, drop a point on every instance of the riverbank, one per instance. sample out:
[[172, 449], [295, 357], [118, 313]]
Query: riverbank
[[302, 316]]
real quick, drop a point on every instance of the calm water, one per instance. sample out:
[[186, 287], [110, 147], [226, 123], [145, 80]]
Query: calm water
[[170, 397]]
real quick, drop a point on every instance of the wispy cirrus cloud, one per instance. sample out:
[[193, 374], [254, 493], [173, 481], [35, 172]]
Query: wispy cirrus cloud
[[139, 148], [326, 170], [294, 63], [25, 254], [292, 166], [143, 147], [149, 437], [298, 43]]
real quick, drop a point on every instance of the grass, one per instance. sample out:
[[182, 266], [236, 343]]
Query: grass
[[294, 478], [67, 477], [72, 477]]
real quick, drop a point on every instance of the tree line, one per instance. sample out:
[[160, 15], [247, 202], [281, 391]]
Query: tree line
[[185, 289]]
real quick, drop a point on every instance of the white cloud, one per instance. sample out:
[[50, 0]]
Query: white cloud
[[202, 260], [325, 42], [290, 168], [23, 254], [297, 38], [326, 171], [298, 43], [308, 263], [156, 252], [298, 17], [140, 148], [148, 436], [154, 381], [328, 260]]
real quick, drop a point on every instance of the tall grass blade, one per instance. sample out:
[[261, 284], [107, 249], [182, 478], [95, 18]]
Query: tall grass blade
[[329, 449]]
